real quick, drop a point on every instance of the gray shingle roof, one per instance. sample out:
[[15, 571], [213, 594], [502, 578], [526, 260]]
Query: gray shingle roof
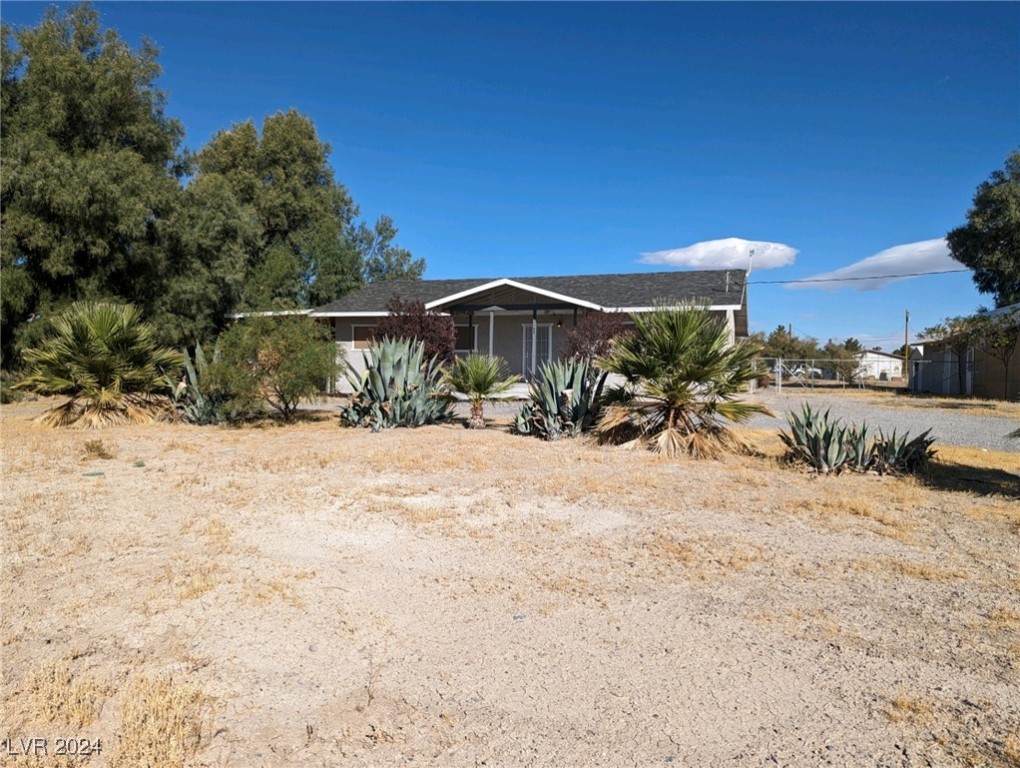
[[626, 290]]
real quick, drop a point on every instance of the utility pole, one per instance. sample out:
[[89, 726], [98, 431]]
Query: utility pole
[[906, 351]]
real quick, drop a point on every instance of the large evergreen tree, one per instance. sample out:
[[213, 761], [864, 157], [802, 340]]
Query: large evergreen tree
[[90, 169], [309, 249], [93, 207], [989, 243]]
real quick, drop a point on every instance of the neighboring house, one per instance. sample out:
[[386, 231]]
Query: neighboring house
[[936, 370], [525, 320], [882, 366]]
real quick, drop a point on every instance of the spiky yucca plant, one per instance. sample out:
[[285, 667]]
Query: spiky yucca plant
[[107, 360], [682, 380], [479, 378]]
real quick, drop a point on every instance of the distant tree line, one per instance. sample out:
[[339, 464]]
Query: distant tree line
[[100, 200]]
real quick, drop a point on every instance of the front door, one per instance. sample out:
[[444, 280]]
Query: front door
[[543, 349]]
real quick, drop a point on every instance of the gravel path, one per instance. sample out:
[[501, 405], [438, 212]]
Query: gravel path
[[952, 426]]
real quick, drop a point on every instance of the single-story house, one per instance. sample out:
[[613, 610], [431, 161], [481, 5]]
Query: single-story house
[[874, 364], [939, 371], [525, 320]]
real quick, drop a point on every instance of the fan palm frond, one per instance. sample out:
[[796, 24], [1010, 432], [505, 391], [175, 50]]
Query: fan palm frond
[[107, 361], [682, 381], [479, 378]]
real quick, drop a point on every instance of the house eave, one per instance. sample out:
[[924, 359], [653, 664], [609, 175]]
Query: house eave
[[713, 307], [507, 282], [272, 313], [357, 314]]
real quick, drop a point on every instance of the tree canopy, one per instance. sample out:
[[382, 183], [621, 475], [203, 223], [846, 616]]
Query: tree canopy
[[989, 243], [781, 343], [100, 200], [91, 167]]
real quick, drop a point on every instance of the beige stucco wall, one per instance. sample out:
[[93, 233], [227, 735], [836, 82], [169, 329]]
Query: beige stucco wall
[[508, 336]]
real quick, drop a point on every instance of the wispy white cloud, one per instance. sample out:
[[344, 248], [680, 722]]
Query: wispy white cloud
[[878, 271], [728, 253]]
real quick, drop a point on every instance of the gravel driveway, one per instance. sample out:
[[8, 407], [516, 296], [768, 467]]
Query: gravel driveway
[[952, 426], [948, 425]]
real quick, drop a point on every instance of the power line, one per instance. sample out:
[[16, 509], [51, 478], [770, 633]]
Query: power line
[[852, 279]]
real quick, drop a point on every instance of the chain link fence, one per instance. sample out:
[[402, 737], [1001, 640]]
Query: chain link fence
[[823, 372]]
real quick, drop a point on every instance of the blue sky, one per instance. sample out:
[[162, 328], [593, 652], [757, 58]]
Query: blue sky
[[567, 138]]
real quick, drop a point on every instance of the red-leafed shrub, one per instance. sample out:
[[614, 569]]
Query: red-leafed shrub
[[591, 337], [410, 320]]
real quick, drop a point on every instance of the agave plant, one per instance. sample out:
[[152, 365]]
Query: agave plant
[[859, 454], [197, 398], [565, 400], [107, 361], [899, 455], [480, 378], [829, 447], [682, 380], [398, 388], [822, 442]]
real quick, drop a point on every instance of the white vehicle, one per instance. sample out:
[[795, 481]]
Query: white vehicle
[[807, 372]]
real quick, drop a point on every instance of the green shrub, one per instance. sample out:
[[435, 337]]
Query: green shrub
[[274, 361], [399, 387], [565, 400], [8, 394], [816, 440]]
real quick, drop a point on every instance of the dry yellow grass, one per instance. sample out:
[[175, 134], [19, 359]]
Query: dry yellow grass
[[701, 557], [1005, 618], [189, 578], [404, 541], [1011, 750], [94, 449], [58, 697], [898, 568], [905, 706], [162, 723]]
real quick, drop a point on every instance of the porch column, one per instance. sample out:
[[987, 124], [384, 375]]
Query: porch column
[[534, 342], [471, 331], [731, 326], [492, 312]]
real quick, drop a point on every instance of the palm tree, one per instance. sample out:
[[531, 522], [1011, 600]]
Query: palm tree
[[107, 360], [682, 377], [479, 377]]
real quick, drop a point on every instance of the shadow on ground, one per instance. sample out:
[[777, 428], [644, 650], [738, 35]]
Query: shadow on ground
[[952, 476]]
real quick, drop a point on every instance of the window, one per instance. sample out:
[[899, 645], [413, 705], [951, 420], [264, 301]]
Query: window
[[361, 335], [466, 337]]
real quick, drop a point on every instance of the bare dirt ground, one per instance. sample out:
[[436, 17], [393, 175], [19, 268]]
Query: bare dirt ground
[[309, 595]]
